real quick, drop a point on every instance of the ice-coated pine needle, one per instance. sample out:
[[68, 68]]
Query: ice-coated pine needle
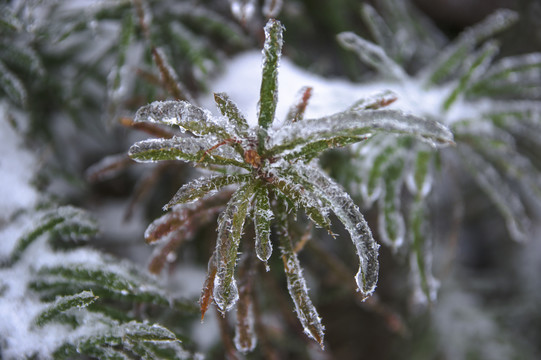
[[449, 60], [263, 216], [169, 76], [390, 219], [476, 65], [243, 10], [296, 284], [379, 29], [356, 124], [348, 213], [271, 8], [12, 86], [230, 228], [302, 197], [204, 186], [194, 150], [67, 222], [296, 111], [371, 187], [425, 284], [186, 116], [419, 179], [245, 334], [64, 303], [230, 110], [375, 101], [515, 74], [499, 191], [373, 55], [272, 50]]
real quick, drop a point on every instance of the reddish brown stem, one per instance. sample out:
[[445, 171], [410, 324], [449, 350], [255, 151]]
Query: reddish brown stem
[[151, 129]]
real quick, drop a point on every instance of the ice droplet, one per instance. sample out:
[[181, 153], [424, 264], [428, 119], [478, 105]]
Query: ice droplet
[[225, 297], [263, 216]]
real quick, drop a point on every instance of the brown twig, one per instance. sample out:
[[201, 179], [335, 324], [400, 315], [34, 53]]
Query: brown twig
[[108, 167], [151, 129], [208, 287]]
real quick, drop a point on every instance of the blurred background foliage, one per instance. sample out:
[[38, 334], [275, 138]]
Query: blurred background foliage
[[74, 73]]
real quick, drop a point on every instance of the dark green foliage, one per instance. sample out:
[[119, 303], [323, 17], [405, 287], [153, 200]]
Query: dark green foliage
[[88, 293], [131, 340], [462, 76], [66, 223], [61, 305]]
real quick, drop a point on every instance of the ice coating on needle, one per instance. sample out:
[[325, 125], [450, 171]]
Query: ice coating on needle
[[348, 213], [357, 123], [392, 229], [296, 284], [187, 149], [245, 335], [268, 95], [263, 216], [186, 116], [373, 55], [204, 186], [230, 228]]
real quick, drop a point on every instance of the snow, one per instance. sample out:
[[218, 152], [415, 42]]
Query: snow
[[243, 10], [16, 170], [19, 307], [242, 77]]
